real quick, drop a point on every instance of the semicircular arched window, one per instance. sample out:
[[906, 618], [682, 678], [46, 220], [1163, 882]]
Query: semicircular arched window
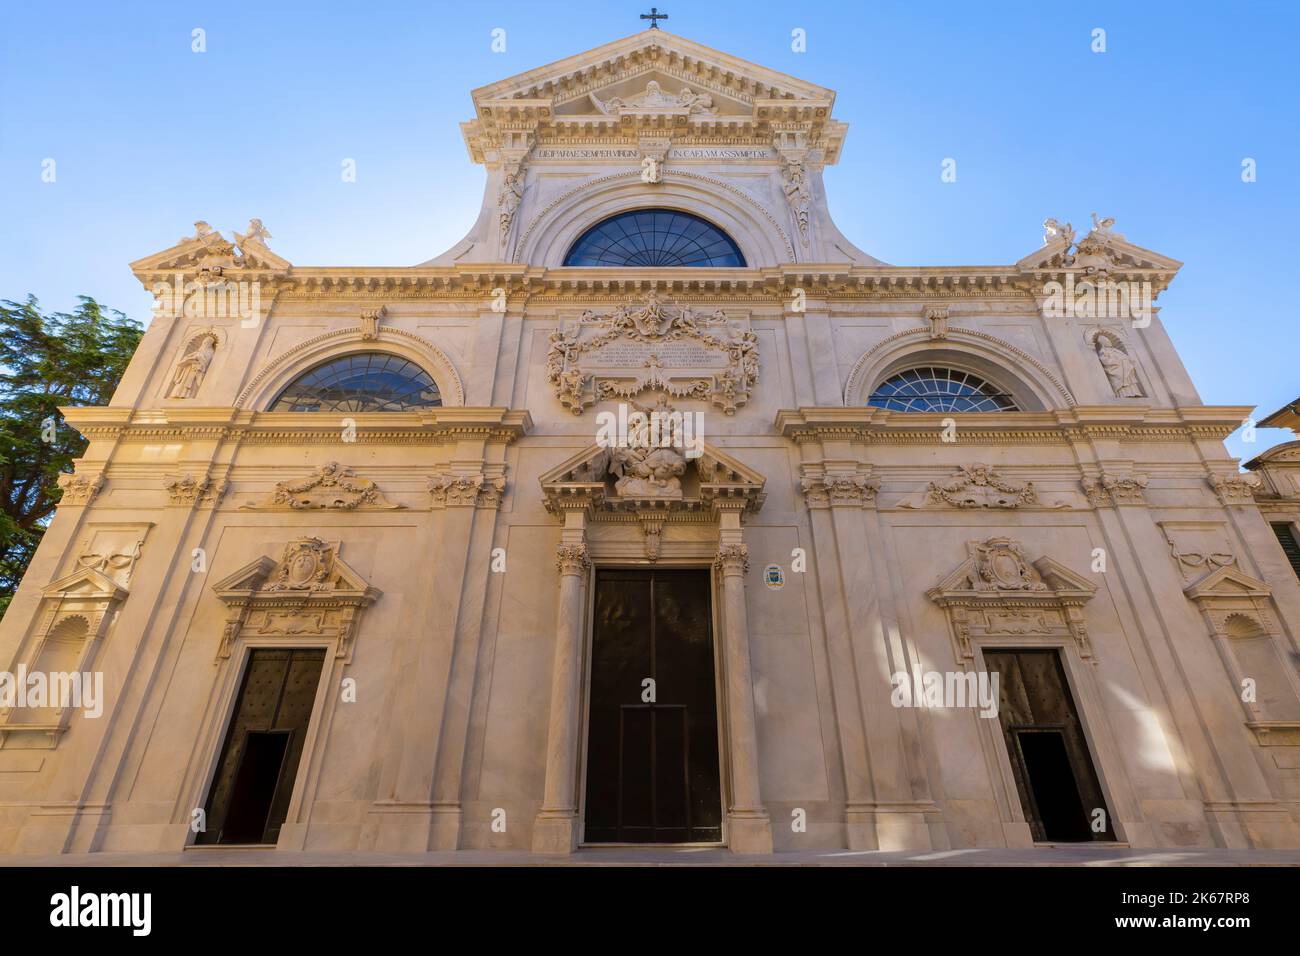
[[938, 389], [360, 382], [656, 238]]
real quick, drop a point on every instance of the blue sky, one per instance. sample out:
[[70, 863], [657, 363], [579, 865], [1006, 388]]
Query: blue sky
[[149, 136]]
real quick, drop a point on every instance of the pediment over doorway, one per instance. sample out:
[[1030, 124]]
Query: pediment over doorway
[[999, 593], [310, 592], [654, 487], [612, 479]]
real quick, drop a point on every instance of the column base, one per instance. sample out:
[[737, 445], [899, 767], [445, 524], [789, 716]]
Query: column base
[[555, 832], [444, 827], [902, 831], [406, 826], [875, 826], [749, 832]]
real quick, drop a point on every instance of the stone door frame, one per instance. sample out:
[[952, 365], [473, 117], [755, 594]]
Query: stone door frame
[[685, 563]]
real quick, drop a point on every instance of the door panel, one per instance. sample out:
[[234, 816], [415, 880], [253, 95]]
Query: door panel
[[249, 797], [652, 766], [1055, 776]]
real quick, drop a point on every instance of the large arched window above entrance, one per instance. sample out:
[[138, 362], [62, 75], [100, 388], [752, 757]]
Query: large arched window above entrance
[[655, 238], [360, 382], [933, 388]]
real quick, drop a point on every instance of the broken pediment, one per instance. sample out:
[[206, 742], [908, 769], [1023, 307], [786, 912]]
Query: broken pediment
[[999, 564], [997, 593], [208, 254], [1100, 252], [637, 475], [309, 592]]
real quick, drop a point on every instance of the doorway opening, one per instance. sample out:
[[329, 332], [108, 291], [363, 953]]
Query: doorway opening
[[249, 797], [652, 739], [1055, 776]]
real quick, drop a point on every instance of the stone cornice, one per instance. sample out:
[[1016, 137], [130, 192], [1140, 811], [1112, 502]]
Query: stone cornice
[[1080, 423], [429, 426], [828, 280]]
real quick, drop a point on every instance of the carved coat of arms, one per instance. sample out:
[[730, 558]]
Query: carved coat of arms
[[652, 344]]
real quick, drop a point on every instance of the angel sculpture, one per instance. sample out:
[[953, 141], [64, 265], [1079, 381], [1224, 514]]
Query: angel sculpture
[[1053, 230], [256, 233]]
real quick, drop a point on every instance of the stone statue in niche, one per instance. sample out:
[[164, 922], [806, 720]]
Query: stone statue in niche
[[1119, 367], [190, 370]]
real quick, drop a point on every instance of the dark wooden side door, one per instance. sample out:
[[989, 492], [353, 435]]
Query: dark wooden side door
[[249, 797], [1057, 782], [652, 766]]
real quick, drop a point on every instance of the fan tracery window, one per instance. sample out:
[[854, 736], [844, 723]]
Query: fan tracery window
[[659, 238], [939, 389], [361, 382]]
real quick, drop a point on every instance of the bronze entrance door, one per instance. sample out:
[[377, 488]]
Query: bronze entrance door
[[652, 748], [249, 798], [1057, 782]]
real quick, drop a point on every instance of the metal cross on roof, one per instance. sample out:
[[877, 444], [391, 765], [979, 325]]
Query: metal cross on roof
[[654, 16]]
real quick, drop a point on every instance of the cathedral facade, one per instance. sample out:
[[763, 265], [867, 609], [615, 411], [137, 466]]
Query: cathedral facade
[[656, 512]]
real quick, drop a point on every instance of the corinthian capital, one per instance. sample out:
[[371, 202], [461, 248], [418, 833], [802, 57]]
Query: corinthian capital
[[821, 491], [732, 559], [572, 559]]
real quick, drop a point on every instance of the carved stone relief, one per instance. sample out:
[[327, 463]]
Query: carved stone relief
[[1235, 489], [80, 489], [309, 592], [509, 197], [458, 490], [997, 592], [1112, 489], [979, 486], [113, 552], [655, 98], [330, 487], [798, 194], [1198, 548], [651, 344], [188, 490]]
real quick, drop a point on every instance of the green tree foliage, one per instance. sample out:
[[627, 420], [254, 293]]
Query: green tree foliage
[[47, 361]]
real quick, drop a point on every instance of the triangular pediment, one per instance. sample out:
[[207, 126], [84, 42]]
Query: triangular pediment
[[309, 569], [1227, 582], [85, 583], [624, 67], [247, 579], [211, 252], [999, 567], [1100, 249]]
